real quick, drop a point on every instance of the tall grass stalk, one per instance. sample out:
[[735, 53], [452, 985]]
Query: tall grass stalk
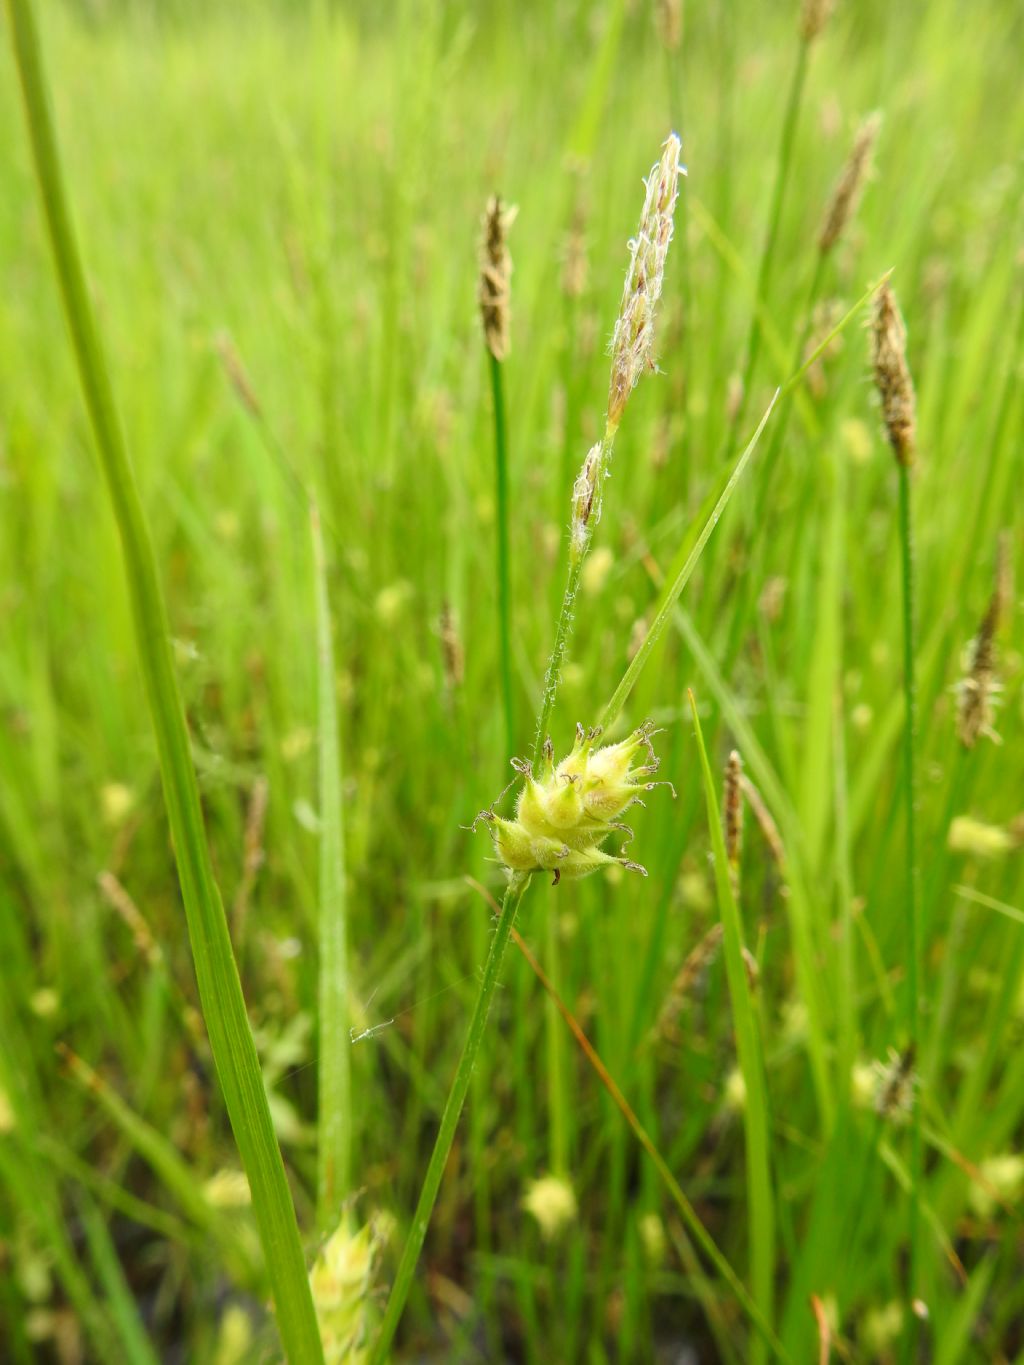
[[220, 989], [913, 1006], [755, 1110], [899, 413], [334, 1146]]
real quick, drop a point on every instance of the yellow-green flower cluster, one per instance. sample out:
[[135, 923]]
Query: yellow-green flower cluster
[[341, 1281], [564, 814]]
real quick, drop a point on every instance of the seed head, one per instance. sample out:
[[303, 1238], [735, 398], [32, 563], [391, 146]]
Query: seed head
[[892, 375], [848, 188], [341, 1283], [495, 277], [567, 811], [236, 372], [574, 250], [633, 337], [978, 689], [452, 653], [895, 1085], [732, 816], [670, 23], [813, 18], [688, 980]]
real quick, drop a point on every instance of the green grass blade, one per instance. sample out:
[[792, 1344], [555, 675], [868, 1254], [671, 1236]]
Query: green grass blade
[[335, 1099], [755, 1113], [670, 595], [216, 972], [124, 1311], [799, 906]]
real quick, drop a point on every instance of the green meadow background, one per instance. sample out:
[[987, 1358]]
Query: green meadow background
[[279, 208]]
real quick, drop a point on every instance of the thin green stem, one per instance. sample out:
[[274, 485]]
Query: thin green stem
[[504, 589], [220, 990], [449, 1120], [748, 1048], [334, 1146], [481, 1009], [551, 678], [913, 1003]]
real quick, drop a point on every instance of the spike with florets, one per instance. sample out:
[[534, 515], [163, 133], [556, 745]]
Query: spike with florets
[[567, 810]]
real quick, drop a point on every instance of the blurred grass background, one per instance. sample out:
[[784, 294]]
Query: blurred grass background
[[302, 190]]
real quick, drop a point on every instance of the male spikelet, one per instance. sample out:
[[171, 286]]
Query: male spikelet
[[496, 277], [848, 188], [892, 374], [977, 690], [633, 336], [564, 814]]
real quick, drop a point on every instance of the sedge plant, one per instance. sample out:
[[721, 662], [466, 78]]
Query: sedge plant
[[896, 393], [632, 343]]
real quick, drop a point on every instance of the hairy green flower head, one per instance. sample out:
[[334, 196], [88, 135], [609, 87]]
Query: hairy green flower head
[[565, 812]]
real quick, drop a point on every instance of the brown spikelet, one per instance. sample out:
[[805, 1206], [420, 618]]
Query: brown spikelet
[[823, 323], [119, 900], [768, 827], [496, 277], [586, 503], [237, 373], [254, 855], [732, 817], [896, 1083], [892, 374], [686, 981], [813, 18], [574, 253], [976, 691], [670, 23], [848, 188], [451, 647]]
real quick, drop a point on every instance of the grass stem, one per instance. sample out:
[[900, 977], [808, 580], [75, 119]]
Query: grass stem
[[334, 1146], [913, 1002]]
